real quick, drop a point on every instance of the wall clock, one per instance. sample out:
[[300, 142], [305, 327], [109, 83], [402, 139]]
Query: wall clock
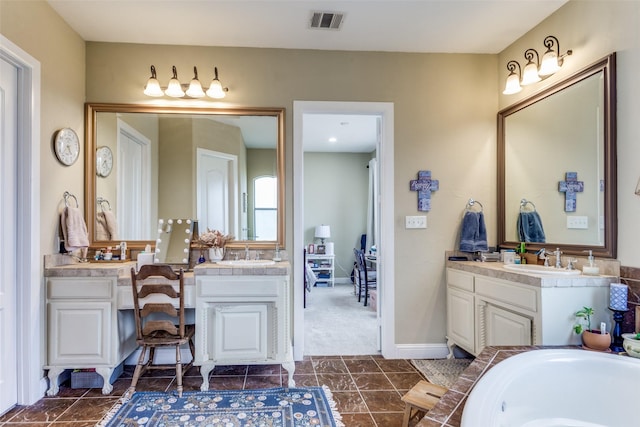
[[66, 145], [104, 161]]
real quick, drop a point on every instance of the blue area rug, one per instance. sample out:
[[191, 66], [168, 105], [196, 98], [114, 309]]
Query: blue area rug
[[275, 407]]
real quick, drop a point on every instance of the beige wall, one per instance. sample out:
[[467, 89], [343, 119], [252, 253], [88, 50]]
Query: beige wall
[[446, 128], [445, 108], [593, 30], [37, 29]]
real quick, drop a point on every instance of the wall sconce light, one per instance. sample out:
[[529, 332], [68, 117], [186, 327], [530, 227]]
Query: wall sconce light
[[552, 60], [176, 90], [513, 79], [530, 73], [535, 70]]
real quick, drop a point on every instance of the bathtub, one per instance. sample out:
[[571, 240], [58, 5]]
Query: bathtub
[[557, 388]]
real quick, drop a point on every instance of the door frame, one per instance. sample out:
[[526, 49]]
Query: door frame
[[386, 293], [29, 268]]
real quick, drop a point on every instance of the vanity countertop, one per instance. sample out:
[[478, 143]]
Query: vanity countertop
[[497, 270]]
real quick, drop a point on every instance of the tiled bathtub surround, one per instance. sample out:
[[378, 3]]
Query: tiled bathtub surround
[[448, 412]]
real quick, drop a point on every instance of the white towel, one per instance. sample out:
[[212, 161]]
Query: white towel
[[74, 229], [106, 226]]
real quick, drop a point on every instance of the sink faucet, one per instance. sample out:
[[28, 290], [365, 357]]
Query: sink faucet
[[246, 252], [544, 254], [558, 254]]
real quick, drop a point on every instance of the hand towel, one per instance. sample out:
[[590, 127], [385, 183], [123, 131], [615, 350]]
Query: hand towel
[[311, 276], [74, 229], [530, 227], [473, 234], [102, 232]]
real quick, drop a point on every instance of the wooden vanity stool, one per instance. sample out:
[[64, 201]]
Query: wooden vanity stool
[[421, 398]]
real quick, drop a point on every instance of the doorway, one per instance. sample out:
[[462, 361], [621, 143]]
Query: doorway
[[385, 224], [26, 283]]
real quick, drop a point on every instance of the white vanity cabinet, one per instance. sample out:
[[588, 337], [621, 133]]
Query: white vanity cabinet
[[243, 319], [84, 328], [490, 307]]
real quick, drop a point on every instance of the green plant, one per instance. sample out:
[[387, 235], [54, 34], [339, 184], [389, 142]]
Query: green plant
[[584, 313]]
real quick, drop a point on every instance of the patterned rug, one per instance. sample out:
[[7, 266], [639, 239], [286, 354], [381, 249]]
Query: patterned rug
[[275, 407], [443, 372]]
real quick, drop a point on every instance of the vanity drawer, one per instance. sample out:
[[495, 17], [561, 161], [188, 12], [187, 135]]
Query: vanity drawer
[[80, 287], [507, 292], [460, 279]]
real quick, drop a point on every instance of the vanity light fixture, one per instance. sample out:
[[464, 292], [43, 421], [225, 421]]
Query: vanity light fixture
[[513, 79], [535, 69], [177, 90]]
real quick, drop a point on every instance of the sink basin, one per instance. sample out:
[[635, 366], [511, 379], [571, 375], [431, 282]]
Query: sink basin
[[541, 269], [247, 262]]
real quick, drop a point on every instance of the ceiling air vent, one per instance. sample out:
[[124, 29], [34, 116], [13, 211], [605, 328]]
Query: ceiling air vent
[[327, 20]]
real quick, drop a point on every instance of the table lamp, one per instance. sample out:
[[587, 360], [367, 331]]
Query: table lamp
[[322, 232]]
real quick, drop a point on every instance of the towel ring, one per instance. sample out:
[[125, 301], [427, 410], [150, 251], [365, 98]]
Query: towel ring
[[472, 202], [101, 201], [524, 203], [66, 199]]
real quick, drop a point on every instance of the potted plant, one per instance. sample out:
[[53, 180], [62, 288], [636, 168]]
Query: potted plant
[[215, 240], [592, 339], [631, 344]]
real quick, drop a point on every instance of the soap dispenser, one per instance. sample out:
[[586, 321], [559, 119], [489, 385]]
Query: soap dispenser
[[592, 269]]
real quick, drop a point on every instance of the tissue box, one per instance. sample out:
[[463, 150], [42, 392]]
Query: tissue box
[[90, 379]]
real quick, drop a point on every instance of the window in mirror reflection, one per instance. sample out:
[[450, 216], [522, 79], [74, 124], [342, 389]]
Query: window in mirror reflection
[[265, 207]]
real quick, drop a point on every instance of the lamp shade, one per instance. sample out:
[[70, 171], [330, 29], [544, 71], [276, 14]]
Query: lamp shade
[[323, 232]]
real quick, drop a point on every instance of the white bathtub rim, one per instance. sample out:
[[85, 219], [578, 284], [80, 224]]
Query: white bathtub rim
[[501, 375]]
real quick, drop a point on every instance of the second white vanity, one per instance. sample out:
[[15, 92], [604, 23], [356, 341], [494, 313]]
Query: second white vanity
[[488, 305]]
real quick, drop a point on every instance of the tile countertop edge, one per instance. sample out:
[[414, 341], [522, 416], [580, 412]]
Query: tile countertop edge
[[496, 270], [448, 411]]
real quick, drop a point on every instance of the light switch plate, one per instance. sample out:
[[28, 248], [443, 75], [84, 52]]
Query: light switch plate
[[415, 221], [581, 222]]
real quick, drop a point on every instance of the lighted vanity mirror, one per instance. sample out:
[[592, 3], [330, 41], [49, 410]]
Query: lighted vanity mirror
[[173, 244], [223, 167], [569, 127]]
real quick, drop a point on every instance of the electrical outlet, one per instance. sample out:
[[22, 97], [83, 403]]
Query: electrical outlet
[[581, 222], [417, 221]]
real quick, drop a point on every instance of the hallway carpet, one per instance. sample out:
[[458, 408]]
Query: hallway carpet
[[335, 323]]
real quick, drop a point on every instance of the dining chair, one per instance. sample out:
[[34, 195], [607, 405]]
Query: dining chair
[[158, 301], [367, 279]]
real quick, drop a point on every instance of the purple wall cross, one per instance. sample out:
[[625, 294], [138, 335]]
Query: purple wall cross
[[424, 185]]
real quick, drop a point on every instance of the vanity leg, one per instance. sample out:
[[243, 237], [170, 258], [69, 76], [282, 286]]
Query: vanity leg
[[53, 375], [105, 373], [450, 345], [290, 367], [205, 370]]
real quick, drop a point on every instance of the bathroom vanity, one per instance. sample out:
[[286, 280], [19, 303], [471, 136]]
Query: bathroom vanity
[[242, 316], [488, 305]]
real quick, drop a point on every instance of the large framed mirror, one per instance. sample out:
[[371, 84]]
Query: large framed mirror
[[557, 158], [223, 167]]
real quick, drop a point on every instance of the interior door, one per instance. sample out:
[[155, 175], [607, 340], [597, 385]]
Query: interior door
[[216, 189], [134, 181], [8, 221]]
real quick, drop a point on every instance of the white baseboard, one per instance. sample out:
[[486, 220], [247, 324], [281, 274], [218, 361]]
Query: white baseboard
[[421, 351]]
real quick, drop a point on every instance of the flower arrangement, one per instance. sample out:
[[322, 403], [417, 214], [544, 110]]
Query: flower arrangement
[[214, 239]]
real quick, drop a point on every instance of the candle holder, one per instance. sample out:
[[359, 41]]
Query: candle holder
[[616, 332]]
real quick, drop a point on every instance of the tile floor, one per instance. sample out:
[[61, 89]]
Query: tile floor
[[367, 390]]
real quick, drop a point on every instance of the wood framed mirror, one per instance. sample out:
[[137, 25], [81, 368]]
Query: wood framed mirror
[[569, 127], [223, 167]]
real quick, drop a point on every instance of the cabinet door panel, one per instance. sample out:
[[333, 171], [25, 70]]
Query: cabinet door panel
[[460, 318], [240, 331], [507, 328], [79, 334]]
